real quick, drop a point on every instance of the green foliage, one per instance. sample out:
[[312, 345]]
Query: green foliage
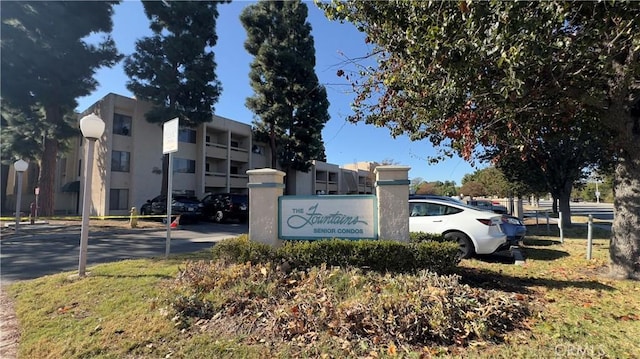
[[553, 84], [174, 69], [241, 249], [290, 106], [417, 237], [425, 252], [46, 64], [446, 188], [489, 181]]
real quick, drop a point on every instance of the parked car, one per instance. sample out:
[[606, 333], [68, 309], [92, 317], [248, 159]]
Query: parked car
[[221, 207], [514, 229], [476, 231], [187, 207], [488, 205], [511, 226]]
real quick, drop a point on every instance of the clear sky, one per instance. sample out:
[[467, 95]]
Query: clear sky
[[335, 44]]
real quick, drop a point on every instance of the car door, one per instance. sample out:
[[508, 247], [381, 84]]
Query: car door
[[207, 205], [159, 205], [427, 217]]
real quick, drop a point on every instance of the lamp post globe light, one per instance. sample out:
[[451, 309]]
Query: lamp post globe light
[[20, 166], [92, 128]]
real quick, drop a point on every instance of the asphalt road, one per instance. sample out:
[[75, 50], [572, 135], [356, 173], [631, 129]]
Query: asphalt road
[[40, 250], [602, 211]]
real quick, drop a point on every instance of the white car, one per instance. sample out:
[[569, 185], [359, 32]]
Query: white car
[[476, 231]]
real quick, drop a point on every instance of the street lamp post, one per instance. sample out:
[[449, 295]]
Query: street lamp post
[[20, 166], [92, 128]]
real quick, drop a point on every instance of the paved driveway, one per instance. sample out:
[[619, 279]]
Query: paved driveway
[[43, 249]]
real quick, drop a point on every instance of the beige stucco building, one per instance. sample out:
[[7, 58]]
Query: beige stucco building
[[214, 157]]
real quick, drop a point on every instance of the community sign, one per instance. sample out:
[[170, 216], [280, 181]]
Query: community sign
[[316, 217]]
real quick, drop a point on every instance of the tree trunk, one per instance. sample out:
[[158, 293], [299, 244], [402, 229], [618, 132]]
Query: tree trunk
[[272, 146], [46, 198], [625, 236], [554, 203], [565, 208]]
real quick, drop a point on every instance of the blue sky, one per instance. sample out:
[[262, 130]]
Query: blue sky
[[335, 43]]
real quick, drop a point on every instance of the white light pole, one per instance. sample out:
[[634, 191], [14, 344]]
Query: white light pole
[[20, 166], [92, 128]]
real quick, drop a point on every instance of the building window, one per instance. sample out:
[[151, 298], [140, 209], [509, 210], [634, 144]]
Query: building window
[[187, 135], [121, 124], [120, 161], [181, 165], [257, 149], [118, 199]]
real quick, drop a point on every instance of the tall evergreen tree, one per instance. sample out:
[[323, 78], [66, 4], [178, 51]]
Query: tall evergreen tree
[[290, 106], [46, 65], [174, 69]]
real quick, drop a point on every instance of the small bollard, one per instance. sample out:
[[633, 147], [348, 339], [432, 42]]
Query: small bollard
[[589, 236], [133, 219], [560, 226], [32, 213]]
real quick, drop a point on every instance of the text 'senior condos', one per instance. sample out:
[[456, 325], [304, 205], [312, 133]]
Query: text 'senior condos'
[[213, 157]]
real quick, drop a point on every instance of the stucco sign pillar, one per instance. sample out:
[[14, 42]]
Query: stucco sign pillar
[[392, 191], [265, 186]]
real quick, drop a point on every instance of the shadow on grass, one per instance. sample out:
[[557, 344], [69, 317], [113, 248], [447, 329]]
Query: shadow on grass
[[486, 279], [577, 230], [540, 242], [543, 254]]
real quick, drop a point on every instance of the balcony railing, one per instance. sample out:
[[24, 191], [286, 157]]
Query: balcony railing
[[216, 150], [215, 179]]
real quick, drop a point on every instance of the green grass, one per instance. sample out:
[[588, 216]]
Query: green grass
[[120, 311]]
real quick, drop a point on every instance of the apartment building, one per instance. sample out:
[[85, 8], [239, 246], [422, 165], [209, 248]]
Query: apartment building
[[128, 165], [214, 157], [328, 178]]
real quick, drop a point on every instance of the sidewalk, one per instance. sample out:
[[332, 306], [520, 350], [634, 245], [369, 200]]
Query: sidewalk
[[9, 330]]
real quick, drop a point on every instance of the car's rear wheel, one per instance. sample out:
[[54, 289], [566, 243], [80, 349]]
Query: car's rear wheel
[[218, 217], [465, 246]]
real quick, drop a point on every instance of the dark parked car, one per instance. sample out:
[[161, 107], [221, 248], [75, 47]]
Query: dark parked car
[[187, 207], [221, 207]]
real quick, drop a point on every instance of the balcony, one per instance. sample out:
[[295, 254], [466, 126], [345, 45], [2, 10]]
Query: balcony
[[215, 179], [239, 154], [239, 181], [215, 150]]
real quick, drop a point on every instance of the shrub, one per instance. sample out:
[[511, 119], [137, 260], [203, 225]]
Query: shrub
[[416, 237], [378, 255], [241, 249]]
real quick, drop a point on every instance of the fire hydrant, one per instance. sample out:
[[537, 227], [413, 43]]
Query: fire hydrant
[[32, 213], [133, 219]]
